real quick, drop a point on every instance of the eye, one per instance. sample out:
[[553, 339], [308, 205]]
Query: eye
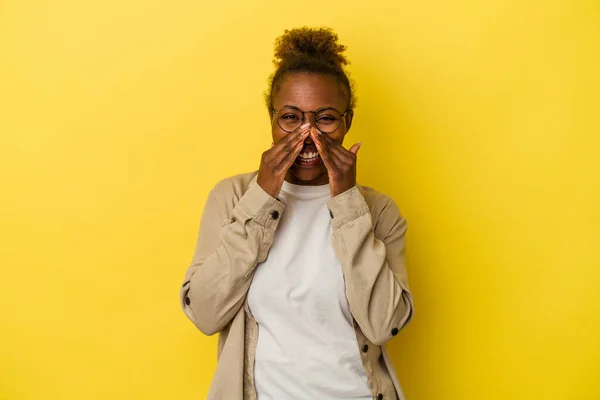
[[290, 117], [327, 119]]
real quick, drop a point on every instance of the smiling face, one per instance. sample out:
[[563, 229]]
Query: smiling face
[[310, 92]]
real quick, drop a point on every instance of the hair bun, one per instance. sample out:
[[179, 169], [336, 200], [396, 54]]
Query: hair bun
[[321, 43]]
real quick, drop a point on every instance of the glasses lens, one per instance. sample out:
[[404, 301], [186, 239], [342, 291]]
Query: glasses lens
[[289, 118], [328, 120]]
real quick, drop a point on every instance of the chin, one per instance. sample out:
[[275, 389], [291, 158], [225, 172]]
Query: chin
[[307, 174]]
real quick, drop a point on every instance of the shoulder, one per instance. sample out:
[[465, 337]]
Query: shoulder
[[378, 201], [233, 187], [385, 213]]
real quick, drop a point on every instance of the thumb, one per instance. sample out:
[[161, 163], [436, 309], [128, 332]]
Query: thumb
[[354, 149]]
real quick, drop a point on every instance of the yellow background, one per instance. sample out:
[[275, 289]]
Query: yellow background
[[480, 118]]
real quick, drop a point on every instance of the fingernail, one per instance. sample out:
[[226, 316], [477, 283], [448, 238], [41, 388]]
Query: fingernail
[[305, 125]]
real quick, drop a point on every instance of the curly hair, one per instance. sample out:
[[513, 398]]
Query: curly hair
[[313, 50]]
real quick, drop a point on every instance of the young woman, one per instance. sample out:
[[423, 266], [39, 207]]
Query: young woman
[[300, 269]]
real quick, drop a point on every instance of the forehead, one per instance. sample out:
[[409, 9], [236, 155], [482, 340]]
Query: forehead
[[309, 92]]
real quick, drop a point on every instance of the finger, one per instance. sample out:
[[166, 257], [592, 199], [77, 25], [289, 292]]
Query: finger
[[335, 148], [289, 158], [354, 149], [344, 155], [292, 136], [328, 141], [324, 151], [316, 138], [340, 159], [284, 145], [291, 146]]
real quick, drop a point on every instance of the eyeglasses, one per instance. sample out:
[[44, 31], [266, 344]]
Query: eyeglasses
[[326, 119]]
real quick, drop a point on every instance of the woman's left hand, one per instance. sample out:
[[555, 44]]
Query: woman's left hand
[[340, 163]]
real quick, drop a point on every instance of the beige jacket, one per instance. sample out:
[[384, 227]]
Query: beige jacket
[[236, 232]]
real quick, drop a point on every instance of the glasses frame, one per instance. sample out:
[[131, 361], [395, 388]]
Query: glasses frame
[[309, 111]]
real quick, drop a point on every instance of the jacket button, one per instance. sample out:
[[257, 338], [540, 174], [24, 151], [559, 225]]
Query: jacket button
[[187, 300], [275, 214], [379, 396], [394, 331], [330, 214], [365, 348]]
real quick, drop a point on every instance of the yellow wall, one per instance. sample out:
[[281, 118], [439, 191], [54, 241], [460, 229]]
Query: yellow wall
[[479, 117]]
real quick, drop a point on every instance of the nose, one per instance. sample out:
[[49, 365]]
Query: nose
[[308, 139], [308, 117]]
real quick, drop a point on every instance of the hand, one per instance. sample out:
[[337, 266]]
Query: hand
[[276, 161], [340, 163]]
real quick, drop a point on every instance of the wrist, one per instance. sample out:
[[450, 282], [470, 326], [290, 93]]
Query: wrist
[[269, 188], [337, 189]]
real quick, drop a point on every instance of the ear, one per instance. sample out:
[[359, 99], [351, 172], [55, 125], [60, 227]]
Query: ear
[[349, 116]]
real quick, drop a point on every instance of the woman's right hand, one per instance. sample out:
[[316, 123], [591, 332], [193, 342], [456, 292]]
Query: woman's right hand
[[276, 161]]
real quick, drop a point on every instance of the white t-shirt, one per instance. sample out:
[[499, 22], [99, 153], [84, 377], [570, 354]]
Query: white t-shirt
[[306, 348]]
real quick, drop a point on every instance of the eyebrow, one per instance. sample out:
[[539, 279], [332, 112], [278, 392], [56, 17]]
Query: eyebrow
[[320, 108]]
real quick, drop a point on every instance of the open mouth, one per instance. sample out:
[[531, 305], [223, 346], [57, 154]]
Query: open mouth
[[308, 158]]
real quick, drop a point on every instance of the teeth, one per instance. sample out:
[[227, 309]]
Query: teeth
[[309, 155]]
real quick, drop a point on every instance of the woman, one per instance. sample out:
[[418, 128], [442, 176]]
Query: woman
[[298, 268]]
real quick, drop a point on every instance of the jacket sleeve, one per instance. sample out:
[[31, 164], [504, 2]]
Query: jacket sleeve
[[374, 270], [228, 249]]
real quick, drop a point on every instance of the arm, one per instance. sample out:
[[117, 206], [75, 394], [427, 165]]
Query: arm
[[227, 252], [374, 270]]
